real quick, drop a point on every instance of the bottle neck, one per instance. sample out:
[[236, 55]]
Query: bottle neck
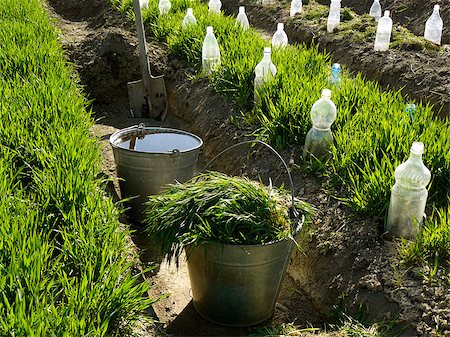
[[415, 157], [267, 58]]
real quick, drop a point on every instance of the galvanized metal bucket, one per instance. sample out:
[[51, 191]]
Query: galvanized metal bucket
[[148, 159], [238, 285]]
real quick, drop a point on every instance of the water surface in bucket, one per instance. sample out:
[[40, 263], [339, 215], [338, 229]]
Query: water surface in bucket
[[162, 143]]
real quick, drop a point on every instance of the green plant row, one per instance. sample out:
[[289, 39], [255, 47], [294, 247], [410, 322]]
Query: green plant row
[[373, 133], [63, 264]]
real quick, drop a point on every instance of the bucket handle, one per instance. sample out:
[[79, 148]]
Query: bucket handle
[[295, 214]]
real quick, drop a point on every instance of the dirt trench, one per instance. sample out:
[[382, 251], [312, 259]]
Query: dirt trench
[[341, 261]]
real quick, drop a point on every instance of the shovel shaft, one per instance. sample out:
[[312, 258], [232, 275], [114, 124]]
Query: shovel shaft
[[143, 59], [148, 98]]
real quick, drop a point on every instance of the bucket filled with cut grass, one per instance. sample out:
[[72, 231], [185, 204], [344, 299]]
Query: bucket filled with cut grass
[[238, 236], [148, 159]]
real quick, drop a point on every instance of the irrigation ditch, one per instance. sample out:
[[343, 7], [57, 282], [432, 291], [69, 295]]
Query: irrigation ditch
[[343, 262]]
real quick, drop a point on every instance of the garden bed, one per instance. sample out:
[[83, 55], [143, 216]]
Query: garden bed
[[420, 70], [335, 267]]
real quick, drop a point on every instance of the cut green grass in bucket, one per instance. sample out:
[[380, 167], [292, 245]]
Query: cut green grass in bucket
[[224, 209]]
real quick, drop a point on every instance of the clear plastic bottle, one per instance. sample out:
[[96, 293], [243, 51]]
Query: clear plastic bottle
[[189, 19], [433, 27], [143, 4], [319, 137], [264, 71], [280, 39], [214, 6], [375, 10], [384, 30], [296, 7], [334, 17], [335, 78], [210, 52], [242, 19], [164, 6], [408, 196]]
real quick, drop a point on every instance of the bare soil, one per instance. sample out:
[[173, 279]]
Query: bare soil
[[342, 261], [420, 75]]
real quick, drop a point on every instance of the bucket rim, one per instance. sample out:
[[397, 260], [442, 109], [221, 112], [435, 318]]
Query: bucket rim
[[230, 245], [156, 129]]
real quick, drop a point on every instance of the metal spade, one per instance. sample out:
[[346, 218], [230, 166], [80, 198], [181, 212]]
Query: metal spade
[[148, 96]]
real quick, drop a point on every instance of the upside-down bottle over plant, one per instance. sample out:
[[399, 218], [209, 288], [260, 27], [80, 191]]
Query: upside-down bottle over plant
[[164, 6], [334, 16], [384, 30], [408, 196], [433, 27], [320, 137], [280, 39], [296, 7], [143, 4], [189, 19], [335, 77], [214, 6], [241, 19], [375, 10], [264, 71], [210, 52]]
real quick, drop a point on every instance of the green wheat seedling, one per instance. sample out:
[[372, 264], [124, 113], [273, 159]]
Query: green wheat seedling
[[64, 269]]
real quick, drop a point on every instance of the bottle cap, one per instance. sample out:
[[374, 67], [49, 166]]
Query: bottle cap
[[209, 30], [337, 66], [436, 8], [326, 93], [280, 26], [241, 9], [417, 148], [386, 13], [190, 11]]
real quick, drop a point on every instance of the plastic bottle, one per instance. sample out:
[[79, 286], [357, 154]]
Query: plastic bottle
[[408, 196], [264, 71], [214, 6], [143, 4], [334, 17], [242, 19], [335, 77], [296, 7], [375, 10], [189, 19], [267, 2], [411, 111], [164, 6], [280, 39], [433, 27], [319, 137], [384, 30], [210, 52]]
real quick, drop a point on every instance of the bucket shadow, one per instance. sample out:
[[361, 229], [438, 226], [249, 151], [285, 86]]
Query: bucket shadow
[[190, 323], [292, 306]]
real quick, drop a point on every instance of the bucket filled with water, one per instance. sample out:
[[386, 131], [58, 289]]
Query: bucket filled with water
[[148, 159]]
